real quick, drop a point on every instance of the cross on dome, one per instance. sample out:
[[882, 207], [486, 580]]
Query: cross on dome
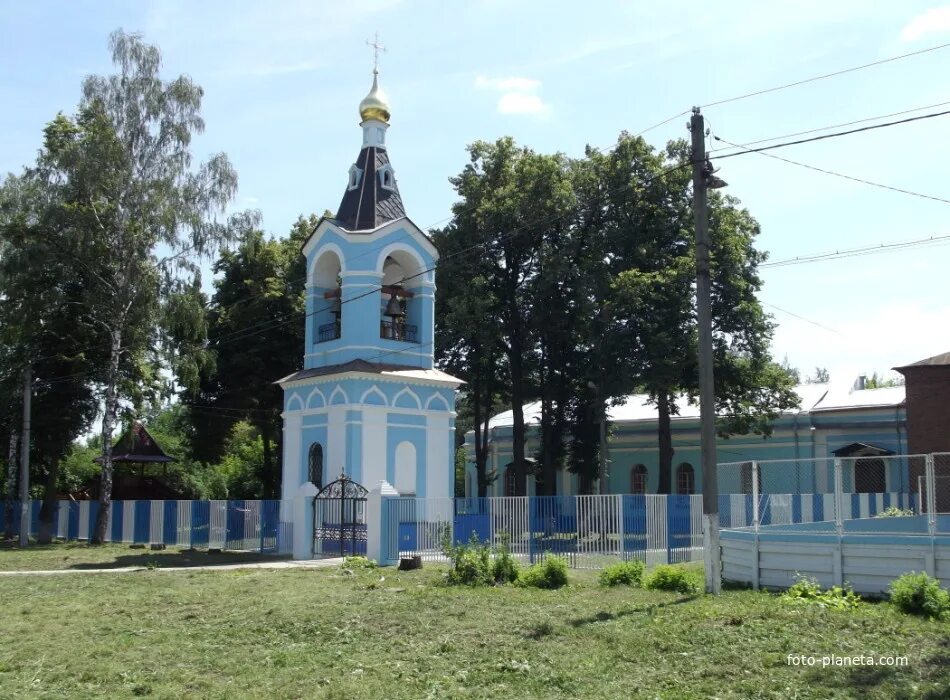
[[375, 105], [377, 47]]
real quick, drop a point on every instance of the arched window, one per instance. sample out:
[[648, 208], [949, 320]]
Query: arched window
[[315, 470], [355, 176], [516, 481], [685, 479], [638, 479]]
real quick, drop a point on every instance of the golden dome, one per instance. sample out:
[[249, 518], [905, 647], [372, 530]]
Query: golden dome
[[374, 105]]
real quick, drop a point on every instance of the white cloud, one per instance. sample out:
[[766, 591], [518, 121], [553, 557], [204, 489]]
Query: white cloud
[[936, 20], [520, 94], [520, 103]]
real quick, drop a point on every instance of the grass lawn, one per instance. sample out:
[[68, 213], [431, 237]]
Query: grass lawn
[[323, 634], [77, 555]]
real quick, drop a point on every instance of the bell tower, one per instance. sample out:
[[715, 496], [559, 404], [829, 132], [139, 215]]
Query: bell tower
[[369, 401]]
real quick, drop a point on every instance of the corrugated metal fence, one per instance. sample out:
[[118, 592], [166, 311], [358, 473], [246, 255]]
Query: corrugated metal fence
[[237, 525]]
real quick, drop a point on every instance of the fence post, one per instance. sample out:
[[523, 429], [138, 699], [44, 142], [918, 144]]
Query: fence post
[[839, 496], [620, 530], [755, 496], [837, 564], [755, 525], [931, 495], [378, 523]]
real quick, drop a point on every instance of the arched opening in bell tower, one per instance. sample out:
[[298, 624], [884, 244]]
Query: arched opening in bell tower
[[400, 311], [325, 306]]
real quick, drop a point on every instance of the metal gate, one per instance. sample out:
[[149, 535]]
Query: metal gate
[[339, 519]]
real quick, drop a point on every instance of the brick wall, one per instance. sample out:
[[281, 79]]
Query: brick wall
[[928, 408]]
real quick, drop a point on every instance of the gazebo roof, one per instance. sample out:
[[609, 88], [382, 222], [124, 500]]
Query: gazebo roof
[[137, 445]]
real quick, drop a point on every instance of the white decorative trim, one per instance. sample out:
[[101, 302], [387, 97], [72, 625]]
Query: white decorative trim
[[401, 247], [372, 376], [377, 348], [383, 172], [316, 392], [410, 392], [290, 403], [374, 390], [355, 178], [373, 236], [332, 247], [334, 393], [439, 397], [390, 410]]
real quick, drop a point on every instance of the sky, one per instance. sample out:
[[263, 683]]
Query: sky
[[282, 83]]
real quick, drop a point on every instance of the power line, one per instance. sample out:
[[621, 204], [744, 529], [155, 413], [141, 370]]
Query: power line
[[825, 75], [834, 135], [802, 318], [837, 126], [855, 252], [271, 325], [802, 82], [836, 174]]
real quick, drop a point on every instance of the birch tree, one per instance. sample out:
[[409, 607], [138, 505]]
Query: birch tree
[[140, 215]]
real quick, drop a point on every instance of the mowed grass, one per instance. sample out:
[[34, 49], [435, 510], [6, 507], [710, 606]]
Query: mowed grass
[[78, 555], [384, 634]]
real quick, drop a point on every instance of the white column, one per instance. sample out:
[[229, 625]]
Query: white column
[[291, 470], [336, 443], [378, 527], [374, 444], [303, 521], [438, 484]]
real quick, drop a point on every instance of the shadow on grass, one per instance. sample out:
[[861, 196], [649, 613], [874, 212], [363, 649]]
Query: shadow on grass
[[934, 668], [113, 556], [183, 559], [604, 616]]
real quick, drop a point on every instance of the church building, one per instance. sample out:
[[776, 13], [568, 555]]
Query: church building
[[369, 402]]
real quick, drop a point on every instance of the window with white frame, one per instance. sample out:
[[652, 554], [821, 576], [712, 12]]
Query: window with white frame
[[638, 479], [387, 179], [355, 176], [685, 479]]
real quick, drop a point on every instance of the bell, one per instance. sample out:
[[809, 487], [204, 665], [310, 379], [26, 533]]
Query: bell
[[394, 308]]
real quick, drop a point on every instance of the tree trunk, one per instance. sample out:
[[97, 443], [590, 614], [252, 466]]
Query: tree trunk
[[48, 511], [12, 453], [665, 438], [481, 439], [108, 427], [517, 409]]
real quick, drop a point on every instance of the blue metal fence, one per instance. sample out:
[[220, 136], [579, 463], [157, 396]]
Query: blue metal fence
[[590, 530], [587, 530], [249, 525]]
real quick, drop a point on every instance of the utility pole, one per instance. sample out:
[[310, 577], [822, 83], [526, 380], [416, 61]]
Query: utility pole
[[707, 394], [25, 458]]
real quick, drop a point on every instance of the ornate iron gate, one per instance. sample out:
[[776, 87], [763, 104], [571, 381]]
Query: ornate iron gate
[[339, 519]]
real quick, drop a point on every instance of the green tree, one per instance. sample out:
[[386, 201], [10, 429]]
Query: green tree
[[877, 381], [123, 166], [655, 301], [38, 293], [255, 336]]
